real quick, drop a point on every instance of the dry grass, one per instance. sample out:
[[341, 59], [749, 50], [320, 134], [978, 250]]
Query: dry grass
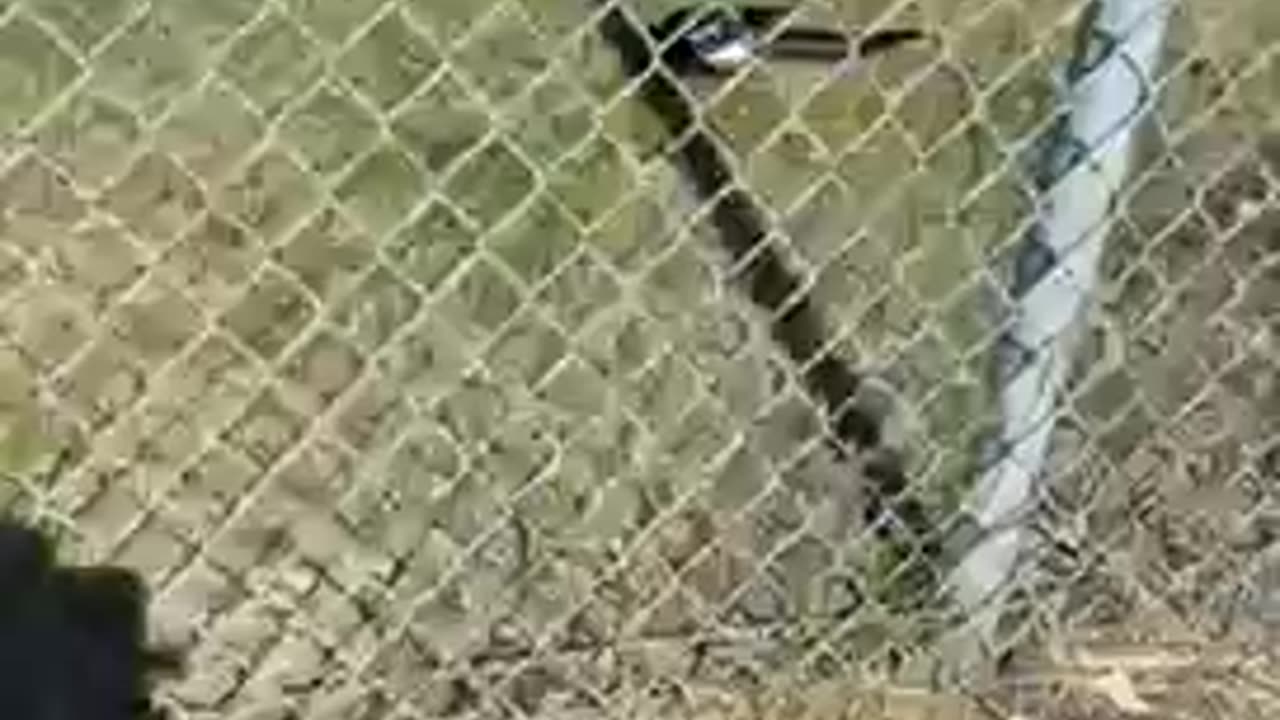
[[382, 340]]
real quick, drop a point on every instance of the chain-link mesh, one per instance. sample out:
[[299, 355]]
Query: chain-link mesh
[[388, 339]]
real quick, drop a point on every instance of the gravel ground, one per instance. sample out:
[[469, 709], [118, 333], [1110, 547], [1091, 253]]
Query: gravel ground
[[382, 339]]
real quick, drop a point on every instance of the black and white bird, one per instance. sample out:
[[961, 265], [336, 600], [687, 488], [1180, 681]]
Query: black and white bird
[[719, 40]]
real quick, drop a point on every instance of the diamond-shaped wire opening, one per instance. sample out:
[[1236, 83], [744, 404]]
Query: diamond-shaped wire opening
[[389, 61], [38, 71]]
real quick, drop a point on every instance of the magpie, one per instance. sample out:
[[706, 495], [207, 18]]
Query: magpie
[[699, 41]]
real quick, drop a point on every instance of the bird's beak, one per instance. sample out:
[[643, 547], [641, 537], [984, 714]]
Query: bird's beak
[[808, 45], [827, 46]]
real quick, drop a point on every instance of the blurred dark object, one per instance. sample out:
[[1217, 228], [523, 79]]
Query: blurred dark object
[[72, 643]]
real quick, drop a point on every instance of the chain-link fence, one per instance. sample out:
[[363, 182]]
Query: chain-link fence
[[393, 341]]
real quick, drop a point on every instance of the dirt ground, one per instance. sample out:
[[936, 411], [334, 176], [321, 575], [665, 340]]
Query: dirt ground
[[383, 340]]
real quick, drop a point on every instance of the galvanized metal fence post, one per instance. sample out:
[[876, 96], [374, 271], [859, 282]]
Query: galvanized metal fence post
[[1084, 166]]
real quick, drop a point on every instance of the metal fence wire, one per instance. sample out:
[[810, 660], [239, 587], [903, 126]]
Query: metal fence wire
[[541, 358]]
